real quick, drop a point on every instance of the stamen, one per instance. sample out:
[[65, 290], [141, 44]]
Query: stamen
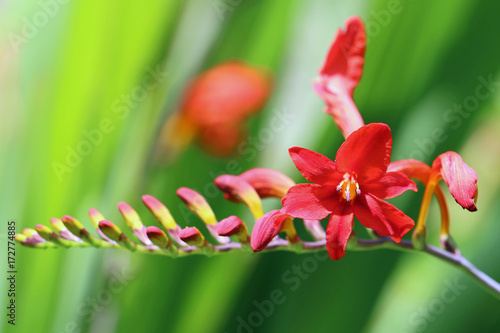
[[348, 186], [347, 194], [339, 187]]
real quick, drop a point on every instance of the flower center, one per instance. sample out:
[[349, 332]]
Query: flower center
[[349, 187]]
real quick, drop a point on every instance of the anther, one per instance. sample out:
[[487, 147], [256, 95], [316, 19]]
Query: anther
[[339, 187], [347, 194]]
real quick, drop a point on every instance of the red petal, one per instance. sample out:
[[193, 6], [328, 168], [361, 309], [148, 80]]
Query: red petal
[[367, 152], [390, 186], [340, 105], [314, 166], [341, 73], [460, 178], [338, 231], [346, 55], [382, 217], [310, 201], [266, 228], [412, 168]]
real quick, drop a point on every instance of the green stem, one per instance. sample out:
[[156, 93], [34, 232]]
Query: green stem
[[485, 281], [280, 244]]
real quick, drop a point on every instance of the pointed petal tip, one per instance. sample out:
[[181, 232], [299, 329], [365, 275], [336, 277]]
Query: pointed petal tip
[[338, 231], [67, 218], [125, 208], [315, 167], [152, 203], [187, 194]]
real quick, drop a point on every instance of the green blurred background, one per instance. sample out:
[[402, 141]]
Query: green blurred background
[[67, 65]]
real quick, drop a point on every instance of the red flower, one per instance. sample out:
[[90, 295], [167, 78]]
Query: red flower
[[340, 74], [352, 185], [215, 106]]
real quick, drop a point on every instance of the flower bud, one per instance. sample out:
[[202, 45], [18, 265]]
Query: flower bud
[[95, 217], [192, 236], [267, 182], [197, 204], [269, 226], [50, 236], [60, 228], [158, 237], [134, 222], [238, 189], [77, 229], [233, 226], [160, 212], [114, 233]]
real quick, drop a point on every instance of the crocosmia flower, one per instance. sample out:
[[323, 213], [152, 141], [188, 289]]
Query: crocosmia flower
[[341, 73], [215, 106], [351, 186]]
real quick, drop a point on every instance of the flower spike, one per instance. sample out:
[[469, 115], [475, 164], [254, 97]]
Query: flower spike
[[355, 183]]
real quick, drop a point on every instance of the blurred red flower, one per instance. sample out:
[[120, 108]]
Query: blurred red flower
[[215, 106]]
